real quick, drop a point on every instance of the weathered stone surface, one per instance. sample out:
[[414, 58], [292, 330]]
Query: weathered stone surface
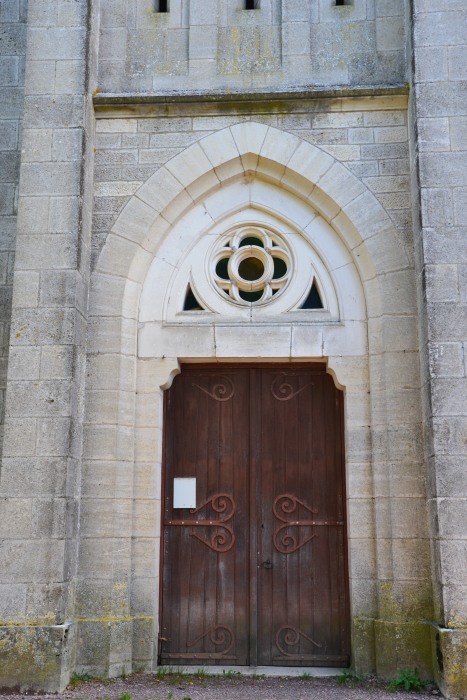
[[347, 174], [36, 657]]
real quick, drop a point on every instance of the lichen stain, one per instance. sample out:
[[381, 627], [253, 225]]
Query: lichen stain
[[29, 659], [412, 604], [454, 646]]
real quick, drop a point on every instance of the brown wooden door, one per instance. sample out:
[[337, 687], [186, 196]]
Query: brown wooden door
[[256, 572]]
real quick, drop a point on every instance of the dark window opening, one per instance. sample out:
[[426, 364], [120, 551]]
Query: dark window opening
[[222, 268], [251, 4], [251, 240], [162, 5], [250, 296], [313, 300], [191, 302], [280, 268], [340, 3]]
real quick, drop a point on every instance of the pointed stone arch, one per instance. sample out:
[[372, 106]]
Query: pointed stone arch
[[124, 416], [254, 149]]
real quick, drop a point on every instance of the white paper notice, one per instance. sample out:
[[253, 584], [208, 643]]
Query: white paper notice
[[184, 493]]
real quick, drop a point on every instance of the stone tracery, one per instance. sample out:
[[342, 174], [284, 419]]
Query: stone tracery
[[251, 266]]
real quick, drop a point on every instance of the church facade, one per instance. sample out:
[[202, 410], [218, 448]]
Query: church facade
[[234, 323]]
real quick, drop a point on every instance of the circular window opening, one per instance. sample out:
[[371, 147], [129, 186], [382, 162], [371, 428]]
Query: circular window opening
[[251, 269]]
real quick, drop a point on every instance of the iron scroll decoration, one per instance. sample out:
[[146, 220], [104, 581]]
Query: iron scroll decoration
[[286, 541], [284, 391], [219, 636], [223, 390], [222, 538], [289, 636]]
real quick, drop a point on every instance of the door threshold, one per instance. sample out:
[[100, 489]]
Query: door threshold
[[268, 671]]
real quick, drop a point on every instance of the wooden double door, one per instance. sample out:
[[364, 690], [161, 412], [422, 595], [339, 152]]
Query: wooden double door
[[255, 568]]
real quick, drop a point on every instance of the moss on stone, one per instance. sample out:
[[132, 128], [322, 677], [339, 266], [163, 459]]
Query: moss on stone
[[451, 657], [402, 645], [363, 645], [34, 657], [408, 601]]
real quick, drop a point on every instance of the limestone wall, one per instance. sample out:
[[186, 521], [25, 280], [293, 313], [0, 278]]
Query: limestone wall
[[81, 472], [217, 44], [439, 126], [366, 139], [42, 447], [13, 15]]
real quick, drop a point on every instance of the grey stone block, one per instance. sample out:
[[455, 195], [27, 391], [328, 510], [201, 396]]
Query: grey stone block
[[445, 100], [457, 62], [9, 70], [450, 28], [12, 602], [447, 320], [67, 144], [70, 78], [9, 167], [71, 14], [437, 207], [390, 32], [50, 179], [8, 135], [389, 150], [12, 38], [53, 437], [446, 360], [37, 145], [37, 252], [64, 215], [448, 169], [51, 112], [366, 68], [40, 398], [56, 43], [9, 11], [7, 199], [458, 133], [11, 102], [434, 134], [445, 244], [24, 363], [43, 327], [430, 63]]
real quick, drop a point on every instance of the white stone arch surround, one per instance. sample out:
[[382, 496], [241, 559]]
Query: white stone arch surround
[[245, 170]]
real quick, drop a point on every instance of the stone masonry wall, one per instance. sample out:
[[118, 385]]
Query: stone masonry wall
[[12, 52], [373, 145], [217, 44], [40, 476], [440, 145], [368, 135]]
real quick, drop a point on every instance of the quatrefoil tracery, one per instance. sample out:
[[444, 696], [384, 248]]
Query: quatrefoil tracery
[[252, 266]]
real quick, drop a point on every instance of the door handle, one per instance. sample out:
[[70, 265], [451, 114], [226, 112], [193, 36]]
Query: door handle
[[267, 564]]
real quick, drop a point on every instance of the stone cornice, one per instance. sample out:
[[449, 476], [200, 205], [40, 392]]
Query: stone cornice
[[336, 98]]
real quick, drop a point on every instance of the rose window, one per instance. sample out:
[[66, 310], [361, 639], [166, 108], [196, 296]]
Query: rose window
[[252, 266]]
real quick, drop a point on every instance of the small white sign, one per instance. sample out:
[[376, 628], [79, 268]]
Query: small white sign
[[185, 493]]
